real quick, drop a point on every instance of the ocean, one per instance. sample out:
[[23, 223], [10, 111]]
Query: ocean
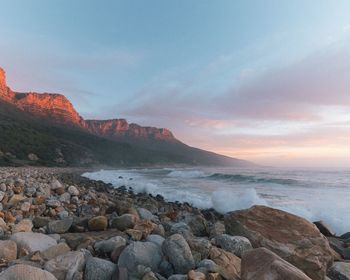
[[310, 193]]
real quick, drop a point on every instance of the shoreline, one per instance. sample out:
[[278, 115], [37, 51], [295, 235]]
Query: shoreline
[[52, 218]]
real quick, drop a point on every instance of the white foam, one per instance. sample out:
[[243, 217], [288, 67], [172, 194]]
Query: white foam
[[226, 201], [186, 173], [184, 185]]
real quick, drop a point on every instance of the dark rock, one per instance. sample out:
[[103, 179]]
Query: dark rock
[[324, 228]]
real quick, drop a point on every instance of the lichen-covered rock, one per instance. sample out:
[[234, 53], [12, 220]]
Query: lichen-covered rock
[[293, 238]]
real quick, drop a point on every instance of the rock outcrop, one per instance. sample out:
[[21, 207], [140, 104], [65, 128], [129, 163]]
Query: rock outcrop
[[261, 263], [58, 109], [120, 128], [291, 237]]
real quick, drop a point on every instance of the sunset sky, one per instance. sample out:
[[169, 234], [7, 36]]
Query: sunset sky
[[267, 81]]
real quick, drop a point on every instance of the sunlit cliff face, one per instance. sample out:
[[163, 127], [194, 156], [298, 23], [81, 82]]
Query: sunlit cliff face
[[58, 109]]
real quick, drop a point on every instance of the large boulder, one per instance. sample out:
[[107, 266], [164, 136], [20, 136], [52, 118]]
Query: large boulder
[[98, 223], [99, 269], [138, 253], [26, 272], [228, 265], [293, 238], [261, 264], [8, 250], [29, 242], [59, 226], [339, 271], [124, 222], [177, 250], [108, 246], [235, 244], [67, 266]]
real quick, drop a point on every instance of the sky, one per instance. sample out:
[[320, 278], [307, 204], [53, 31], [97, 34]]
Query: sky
[[267, 81]]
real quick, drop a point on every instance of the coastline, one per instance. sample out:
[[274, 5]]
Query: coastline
[[107, 229]]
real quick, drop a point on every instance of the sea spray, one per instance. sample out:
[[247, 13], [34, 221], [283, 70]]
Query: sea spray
[[314, 195]]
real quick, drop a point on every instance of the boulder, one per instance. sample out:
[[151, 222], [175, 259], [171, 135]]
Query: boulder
[[99, 269], [72, 190], [138, 253], [291, 237], [54, 251], [8, 250], [124, 222], [26, 272], [67, 266], [177, 250], [197, 223], [200, 246], [108, 246], [261, 264], [156, 239], [145, 214], [208, 265], [25, 225], [29, 242], [195, 275], [40, 221], [98, 223], [339, 271], [145, 226], [228, 265], [234, 244], [60, 226], [53, 203]]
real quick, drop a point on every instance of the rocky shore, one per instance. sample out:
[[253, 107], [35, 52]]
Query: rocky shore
[[55, 224]]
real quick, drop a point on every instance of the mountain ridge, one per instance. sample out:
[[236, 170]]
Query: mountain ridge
[[59, 109], [35, 121]]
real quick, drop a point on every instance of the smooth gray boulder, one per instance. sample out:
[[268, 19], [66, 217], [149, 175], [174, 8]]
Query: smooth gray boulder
[[156, 239], [99, 269], [109, 245], [176, 249], [67, 266], [30, 242], [234, 244], [26, 272], [60, 226], [138, 253]]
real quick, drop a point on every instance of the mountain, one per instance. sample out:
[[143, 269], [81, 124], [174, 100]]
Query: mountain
[[45, 129]]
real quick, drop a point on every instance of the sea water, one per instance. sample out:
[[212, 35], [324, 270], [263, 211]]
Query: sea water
[[312, 194]]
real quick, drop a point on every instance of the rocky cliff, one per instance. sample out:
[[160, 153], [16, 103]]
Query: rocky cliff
[[58, 109], [120, 128]]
